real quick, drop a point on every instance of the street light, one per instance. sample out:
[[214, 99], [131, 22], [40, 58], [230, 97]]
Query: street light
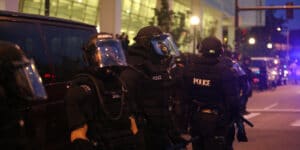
[[287, 40], [278, 29], [269, 45], [251, 41], [194, 22]]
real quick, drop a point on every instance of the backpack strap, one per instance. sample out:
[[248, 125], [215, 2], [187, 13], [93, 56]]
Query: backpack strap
[[99, 88]]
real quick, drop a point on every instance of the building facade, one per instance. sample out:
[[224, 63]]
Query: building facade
[[128, 16]]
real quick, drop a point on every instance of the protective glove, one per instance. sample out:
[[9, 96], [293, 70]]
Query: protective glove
[[187, 137]]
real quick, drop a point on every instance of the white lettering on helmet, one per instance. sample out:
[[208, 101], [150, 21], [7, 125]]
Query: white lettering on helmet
[[201, 82]]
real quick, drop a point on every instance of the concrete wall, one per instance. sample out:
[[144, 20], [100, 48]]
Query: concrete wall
[[10, 5], [110, 14]]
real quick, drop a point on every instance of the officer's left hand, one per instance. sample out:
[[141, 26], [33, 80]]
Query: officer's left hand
[[187, 137]]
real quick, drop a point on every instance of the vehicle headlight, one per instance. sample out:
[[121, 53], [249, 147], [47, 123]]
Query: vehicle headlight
[[273, 72]]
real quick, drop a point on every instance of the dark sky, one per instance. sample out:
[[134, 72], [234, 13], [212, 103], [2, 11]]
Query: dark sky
[[292, 23]]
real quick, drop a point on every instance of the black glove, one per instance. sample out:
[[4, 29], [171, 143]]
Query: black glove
[[80, 144]]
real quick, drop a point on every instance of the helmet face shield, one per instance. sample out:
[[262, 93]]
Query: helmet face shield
[[29, 81], [164, 45], [109, 53]]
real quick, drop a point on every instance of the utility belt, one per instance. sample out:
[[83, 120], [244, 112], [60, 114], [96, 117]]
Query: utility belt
[[116, 140], [209, 117], [202, 107]]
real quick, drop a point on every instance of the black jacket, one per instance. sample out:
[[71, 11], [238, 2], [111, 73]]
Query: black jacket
[[108, 121], [213, 81], [152, 88]]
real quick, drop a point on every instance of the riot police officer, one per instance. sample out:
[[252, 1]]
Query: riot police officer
[[212, 89], [98, 114], [20, 86], [248, 77], [151, 83]]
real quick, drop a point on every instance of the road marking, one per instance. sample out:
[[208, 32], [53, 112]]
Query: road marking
[[296, 123], [251, 115], [274, 110], [271, 106]]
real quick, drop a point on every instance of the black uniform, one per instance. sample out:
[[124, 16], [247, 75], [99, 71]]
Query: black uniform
[[212, 87], [96, 98], [109, 126], [151, 85], [248, 78], [20, 87]]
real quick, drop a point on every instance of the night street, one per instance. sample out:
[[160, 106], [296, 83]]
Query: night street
[[276, 118]]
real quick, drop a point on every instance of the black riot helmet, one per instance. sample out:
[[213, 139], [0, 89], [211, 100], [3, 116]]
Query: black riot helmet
[[19, 76], [152, 38], [211, 46], [103, 51]]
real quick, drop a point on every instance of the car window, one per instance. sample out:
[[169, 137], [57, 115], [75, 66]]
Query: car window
[[65, 49], [55, 49], [27, 36]]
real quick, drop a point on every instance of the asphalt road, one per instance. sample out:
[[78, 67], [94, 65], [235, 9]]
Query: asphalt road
[[276, 118]]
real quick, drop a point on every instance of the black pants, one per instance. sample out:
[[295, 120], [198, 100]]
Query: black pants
[[213, 134]]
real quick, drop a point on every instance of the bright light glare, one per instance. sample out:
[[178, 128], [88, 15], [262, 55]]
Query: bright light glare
[[251, 41], [195, 20], [269, 45], [278, 29], [274, 72]]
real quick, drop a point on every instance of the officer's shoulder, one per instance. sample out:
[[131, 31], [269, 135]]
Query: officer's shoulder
[[131, 72], [83, 82], [190, 58], [226, 61]]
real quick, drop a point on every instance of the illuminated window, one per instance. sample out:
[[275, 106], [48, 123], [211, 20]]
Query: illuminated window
[[136, 14], [78, 10], [182, 7]]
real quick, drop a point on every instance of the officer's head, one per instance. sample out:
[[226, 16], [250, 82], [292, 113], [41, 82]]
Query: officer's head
[[103, 51], [246, 60], [153, 40], [211, 47], [19, 77]]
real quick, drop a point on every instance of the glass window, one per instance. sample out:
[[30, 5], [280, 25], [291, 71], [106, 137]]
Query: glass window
[[55, 49], [135, 15], [180, 7], [64, 49], [78, 10]]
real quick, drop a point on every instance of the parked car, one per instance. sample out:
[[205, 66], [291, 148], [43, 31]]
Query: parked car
[[265, 72], [55, 45]]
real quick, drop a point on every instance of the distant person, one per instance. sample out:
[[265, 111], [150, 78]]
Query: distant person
[[246, 61], [263, 77], [293, 69]]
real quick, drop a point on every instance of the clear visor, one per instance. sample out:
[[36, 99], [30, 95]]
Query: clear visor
[[164, 45], [29, 81], [109, 53]]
